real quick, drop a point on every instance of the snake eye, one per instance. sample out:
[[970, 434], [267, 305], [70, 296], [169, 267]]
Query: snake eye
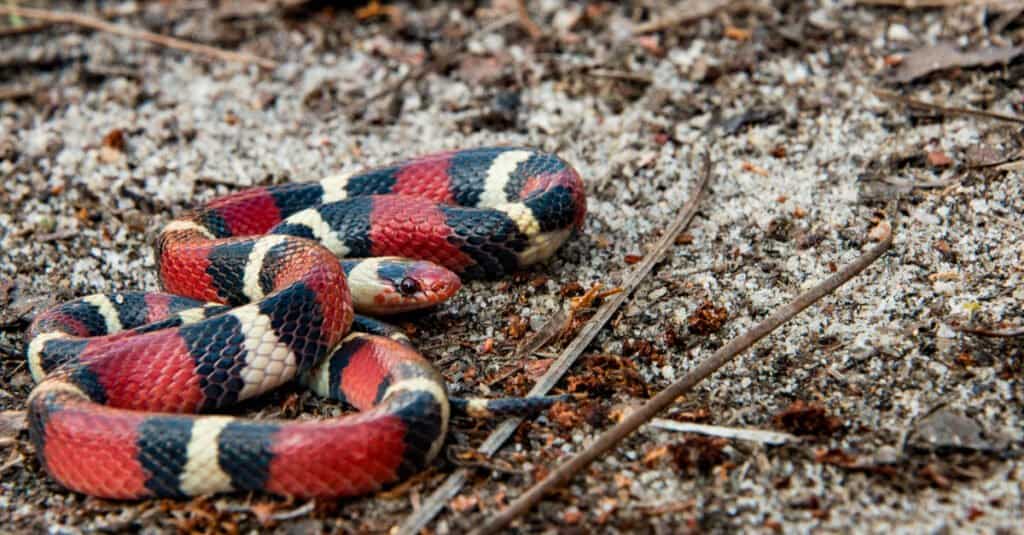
[[408, 286]]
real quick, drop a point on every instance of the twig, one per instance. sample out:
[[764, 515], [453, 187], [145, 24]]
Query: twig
[[1005, 19], [23, 29], [661, 508], [914, 103], [295, 513], [216, 181], [1012, 332], [555, 325], [10, 351], [610, 438], [623, 75], [1015, 165], [63, 17], [752, 435], [935, 3], [59, 235], [18, 92], [526, 22], [685, 13], [451, 486]]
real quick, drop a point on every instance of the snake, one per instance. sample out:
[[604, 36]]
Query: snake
[[286, 282]]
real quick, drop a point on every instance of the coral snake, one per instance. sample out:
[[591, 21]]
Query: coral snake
[[255, 296]]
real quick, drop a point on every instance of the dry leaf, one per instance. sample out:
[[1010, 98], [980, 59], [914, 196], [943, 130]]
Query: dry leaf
[[943, 56]]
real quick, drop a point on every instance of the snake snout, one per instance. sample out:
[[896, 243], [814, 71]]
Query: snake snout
[[439, 283]]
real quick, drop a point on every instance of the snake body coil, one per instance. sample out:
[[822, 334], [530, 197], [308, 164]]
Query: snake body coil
[[254, 297]]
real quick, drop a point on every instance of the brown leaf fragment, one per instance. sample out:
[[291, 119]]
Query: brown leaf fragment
[[835, 457], [570, 289], [684, 238], [697, 415], [737, 34], [587, 299], [604, 375], [517, 327], [112, 147], [655, 454], [937, 158], [801, 418], [933, 474], [114, 139], [942, 56], [753, 168], [699, 453], [565, 415], [375, 9], [707, 319]]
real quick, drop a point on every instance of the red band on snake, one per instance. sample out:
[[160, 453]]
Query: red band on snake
[[254, 297]]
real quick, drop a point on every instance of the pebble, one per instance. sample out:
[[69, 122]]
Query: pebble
[[899, 32]]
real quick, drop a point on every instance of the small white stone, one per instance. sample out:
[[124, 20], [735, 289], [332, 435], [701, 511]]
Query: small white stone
[[797, 74], [899, 32], [945, 331]]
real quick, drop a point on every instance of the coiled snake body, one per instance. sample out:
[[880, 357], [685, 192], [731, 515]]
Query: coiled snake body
[[254, 297]]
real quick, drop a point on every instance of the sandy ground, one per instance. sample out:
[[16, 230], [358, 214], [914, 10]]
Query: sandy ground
[[905, 423]]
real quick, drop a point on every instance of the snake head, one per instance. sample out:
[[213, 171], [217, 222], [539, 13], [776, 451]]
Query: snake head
[[389, 285]]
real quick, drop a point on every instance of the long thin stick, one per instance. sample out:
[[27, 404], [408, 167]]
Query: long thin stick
[[945, 110], [736, 433], [936, 3], [688, 12], [63, 17], [610, 438], [1004, 333], [451, 486]]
